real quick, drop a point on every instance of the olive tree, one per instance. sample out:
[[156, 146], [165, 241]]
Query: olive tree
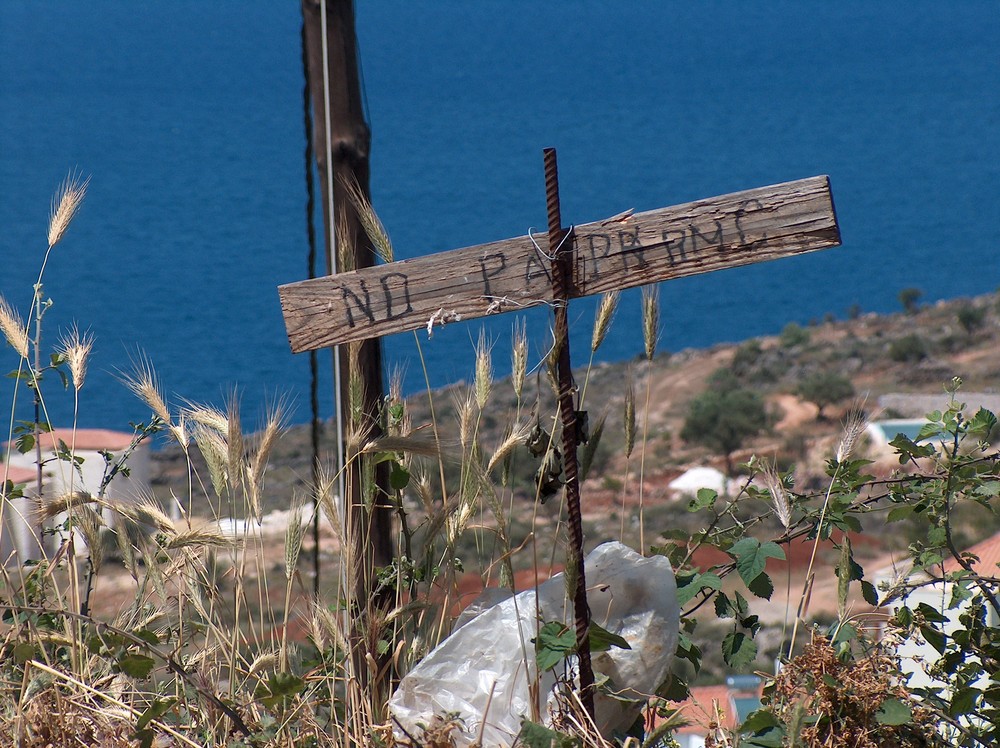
[[725, 416]]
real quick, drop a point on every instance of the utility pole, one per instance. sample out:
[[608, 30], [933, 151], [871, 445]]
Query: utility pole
[[338, 110]]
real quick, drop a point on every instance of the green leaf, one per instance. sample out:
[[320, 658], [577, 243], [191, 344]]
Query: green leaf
[[758, 721], [869, 593], [723, 606], [555, 640], [751, 557], [533, 735], [688, 650], [772, 737], [762, 586], [935, 638], [675, 689], [278, 689], [690, 585], [893, 712], [135, 665], [899, 512], [156, 710], [23, 652], [602, 640], [25, 443], [963, 702], [399, 478], [150, 637], [704, 500], [738, 650]]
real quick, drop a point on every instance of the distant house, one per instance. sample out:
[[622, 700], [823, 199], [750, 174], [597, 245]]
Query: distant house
[[711, 707], [19, 535], [16, 537], [689, 483]]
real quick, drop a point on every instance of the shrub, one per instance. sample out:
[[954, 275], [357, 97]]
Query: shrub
[[908, 349], [793, 335], [970, 317], [746, 357]]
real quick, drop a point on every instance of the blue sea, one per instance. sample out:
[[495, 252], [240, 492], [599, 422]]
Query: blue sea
[[187, 115]]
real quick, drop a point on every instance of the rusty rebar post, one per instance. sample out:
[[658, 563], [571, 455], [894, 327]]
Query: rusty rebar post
[[560, 242]]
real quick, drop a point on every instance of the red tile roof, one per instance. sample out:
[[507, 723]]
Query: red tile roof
[[88, 439], [699, 710], [17, 474], [988, 552]]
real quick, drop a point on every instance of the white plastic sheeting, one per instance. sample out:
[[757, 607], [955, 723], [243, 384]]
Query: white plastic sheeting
[[483, 670]]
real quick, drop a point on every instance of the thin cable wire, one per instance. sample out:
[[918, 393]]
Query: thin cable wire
[[314, 421], [332, 243]]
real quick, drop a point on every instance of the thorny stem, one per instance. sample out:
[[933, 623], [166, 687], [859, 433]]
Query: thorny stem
[[949, 492]]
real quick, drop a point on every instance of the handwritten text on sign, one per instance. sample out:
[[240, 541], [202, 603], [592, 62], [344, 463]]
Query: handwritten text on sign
[[699, 237]]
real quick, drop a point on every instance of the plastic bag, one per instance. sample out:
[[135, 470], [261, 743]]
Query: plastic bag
[[481, 673]]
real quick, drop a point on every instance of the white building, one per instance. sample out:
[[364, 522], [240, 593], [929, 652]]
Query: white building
[[19, 534], [915, 654]]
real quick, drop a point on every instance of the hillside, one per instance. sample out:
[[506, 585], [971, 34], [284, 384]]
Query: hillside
[[914, 353]]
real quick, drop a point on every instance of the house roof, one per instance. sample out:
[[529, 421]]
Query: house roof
[[988, 552], [699, 710], [17, 474], [88, 439]]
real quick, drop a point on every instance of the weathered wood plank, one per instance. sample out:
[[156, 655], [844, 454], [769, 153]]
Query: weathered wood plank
[[699, 237]]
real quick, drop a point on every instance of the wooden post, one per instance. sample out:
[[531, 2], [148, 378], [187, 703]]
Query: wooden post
[[369, 523]]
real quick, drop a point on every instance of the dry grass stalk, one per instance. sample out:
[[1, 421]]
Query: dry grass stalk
[[275, 420], [602, 322], [484, 370], [854, 428], [370, 222], [235, 445], [630, 428], [779, 494], [465, 420], [508, 445], [650, 319], [145, 385], [325, 497], [13, 328], [75, 348], [146, 511], [65, 205], [49, 508], [519, 356], [207, 416], [293, 537], [90, 524], [213, 449], [424, 445], [206, 536]]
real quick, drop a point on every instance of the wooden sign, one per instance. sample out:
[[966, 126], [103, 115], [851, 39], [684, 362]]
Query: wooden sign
[[621, 252]]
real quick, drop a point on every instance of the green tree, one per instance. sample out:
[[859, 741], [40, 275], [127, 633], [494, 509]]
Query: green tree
[[725, 416], [825, 388], [909, 297]]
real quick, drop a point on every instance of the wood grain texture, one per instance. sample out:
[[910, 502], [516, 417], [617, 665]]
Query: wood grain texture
[[699, 237]]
